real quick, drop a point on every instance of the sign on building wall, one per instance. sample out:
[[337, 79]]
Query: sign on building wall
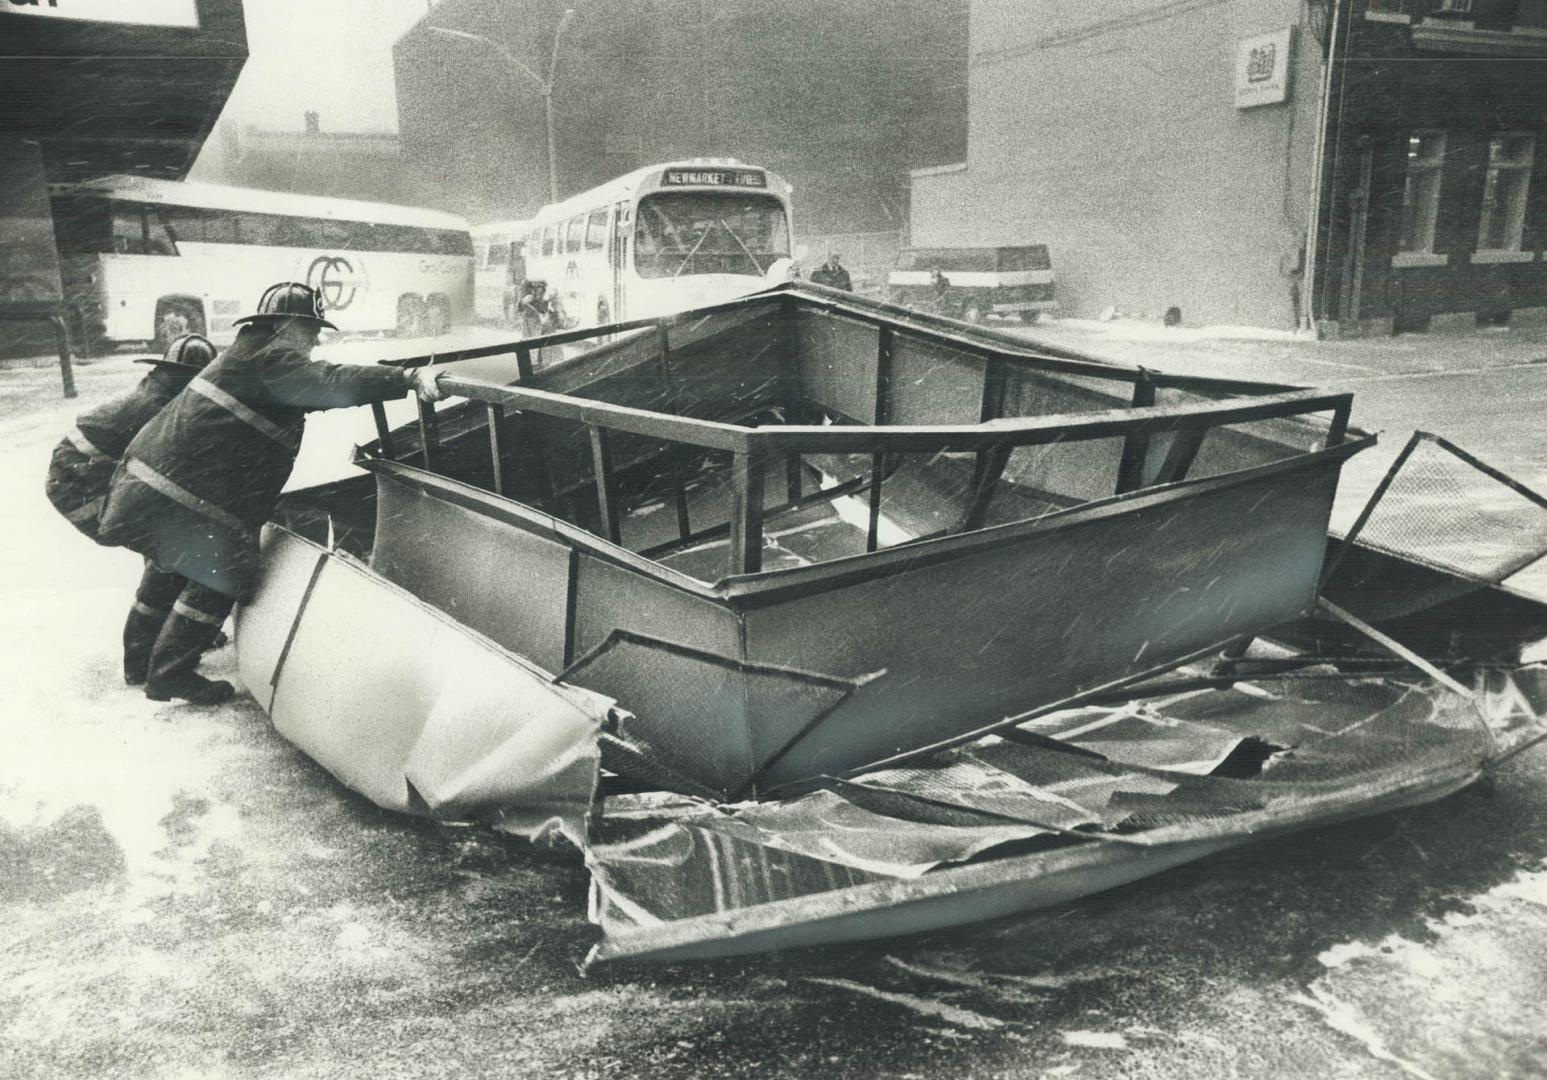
[[1262, 69], [138, 12]]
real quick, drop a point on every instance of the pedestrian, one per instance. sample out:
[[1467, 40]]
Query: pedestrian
[[82, 467], [199, 480], [537, 308], [940, 292], [832, 274]]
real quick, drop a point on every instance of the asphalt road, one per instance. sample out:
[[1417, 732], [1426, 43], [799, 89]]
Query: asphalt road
[[184, 895]]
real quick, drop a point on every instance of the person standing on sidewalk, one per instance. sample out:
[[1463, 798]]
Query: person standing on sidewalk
[[832, 274], [199, 480], [82, 467]]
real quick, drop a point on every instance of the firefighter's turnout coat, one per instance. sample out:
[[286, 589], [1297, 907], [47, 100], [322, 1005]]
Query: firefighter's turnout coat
[[199, 481], [84, 460]]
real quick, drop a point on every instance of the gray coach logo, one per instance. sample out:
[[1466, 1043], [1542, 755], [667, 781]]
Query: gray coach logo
[[331, 275]]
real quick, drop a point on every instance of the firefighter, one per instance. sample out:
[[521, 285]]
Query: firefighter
[[83, 464], [197, 483]]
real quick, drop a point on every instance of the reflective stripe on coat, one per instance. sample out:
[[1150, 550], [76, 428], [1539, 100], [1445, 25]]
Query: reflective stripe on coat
[[199, 481]]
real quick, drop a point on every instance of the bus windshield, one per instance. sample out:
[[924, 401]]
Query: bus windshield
[[709, 232]]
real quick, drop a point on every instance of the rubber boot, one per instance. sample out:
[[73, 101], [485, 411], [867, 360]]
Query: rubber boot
[[184, 637], [157, 591], [140, 632]]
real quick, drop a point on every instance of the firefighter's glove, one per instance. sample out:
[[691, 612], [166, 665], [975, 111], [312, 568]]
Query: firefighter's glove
[[424, 383]]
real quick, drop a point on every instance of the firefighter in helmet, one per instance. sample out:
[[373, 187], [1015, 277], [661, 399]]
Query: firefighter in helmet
[[199, 480], [82, 467]]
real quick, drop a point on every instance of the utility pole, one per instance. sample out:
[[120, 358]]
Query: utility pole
[[706, 124], [544, 86]]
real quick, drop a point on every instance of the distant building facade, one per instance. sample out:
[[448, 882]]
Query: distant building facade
[[1363, 165], [365, 165], [842, 99], [1435, 182]]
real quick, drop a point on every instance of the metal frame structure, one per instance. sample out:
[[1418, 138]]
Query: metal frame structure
[[992, 439]]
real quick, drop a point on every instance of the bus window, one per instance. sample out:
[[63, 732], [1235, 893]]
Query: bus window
[[596, 231], [82, 226], [573, 233], [708, 232], [139, 230], [334, 234], [548, 240], [452, 242], [291, 232], [195, 226], [499, 253], [257, 228]]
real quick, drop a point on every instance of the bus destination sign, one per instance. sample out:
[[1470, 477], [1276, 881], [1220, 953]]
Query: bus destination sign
[[715, 178]]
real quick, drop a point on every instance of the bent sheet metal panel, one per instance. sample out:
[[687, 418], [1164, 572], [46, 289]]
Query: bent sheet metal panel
[[1164, 816], [1001, 631], [707, 717], [964, 636], [407, 707], [506, 583], [954, 896]]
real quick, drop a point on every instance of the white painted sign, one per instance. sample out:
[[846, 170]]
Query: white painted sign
[[1262, 69], [135, 12]]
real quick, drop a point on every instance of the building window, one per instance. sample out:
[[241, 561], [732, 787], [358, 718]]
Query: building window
[[1421, 193], [1504, 191]]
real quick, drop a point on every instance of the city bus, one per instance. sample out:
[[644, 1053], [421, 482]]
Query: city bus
[[147, 260], [662, 239], [498, 267]]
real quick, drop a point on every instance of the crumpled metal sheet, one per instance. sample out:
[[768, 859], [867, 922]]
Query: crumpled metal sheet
[[1006, 824], [408, 707]]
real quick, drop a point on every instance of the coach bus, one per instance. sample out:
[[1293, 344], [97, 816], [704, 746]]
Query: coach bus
[[498, 268], [148, 260], [661, 239]]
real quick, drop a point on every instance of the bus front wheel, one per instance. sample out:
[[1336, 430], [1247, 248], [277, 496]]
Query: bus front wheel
[[174, 318]]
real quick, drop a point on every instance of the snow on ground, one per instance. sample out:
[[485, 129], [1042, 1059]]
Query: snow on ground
[[183, 894]]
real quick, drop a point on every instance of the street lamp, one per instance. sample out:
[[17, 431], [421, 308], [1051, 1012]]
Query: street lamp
[[545, 86]]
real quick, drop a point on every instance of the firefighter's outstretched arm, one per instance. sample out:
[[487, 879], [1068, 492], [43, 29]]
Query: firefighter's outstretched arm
[[290, 379]]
